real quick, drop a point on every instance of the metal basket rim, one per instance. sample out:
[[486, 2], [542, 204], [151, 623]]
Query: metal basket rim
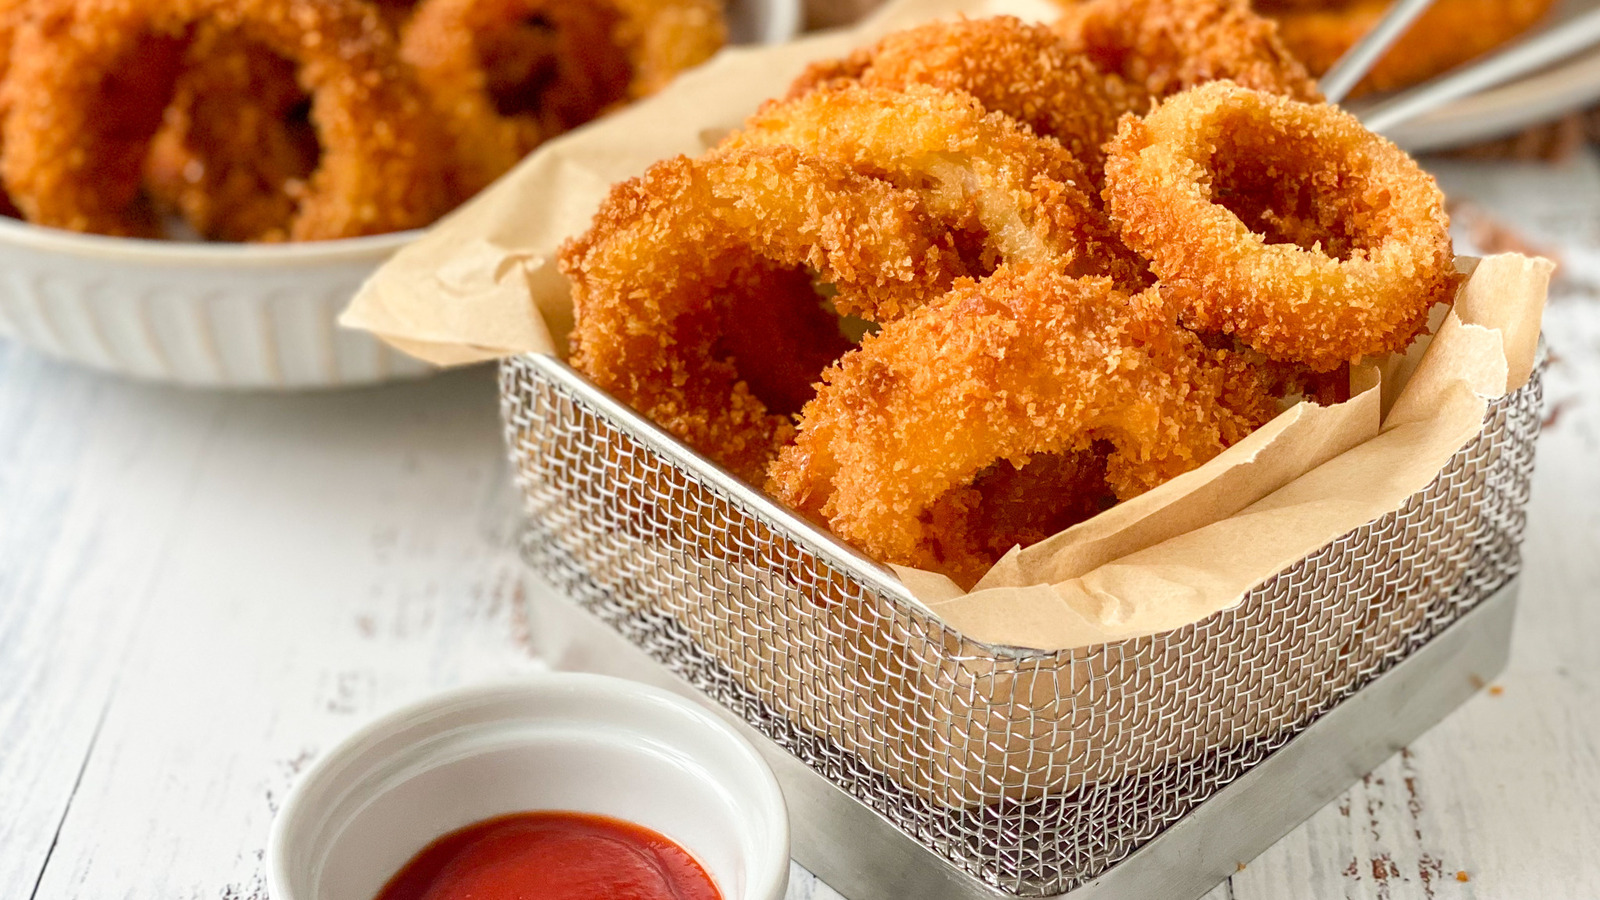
[[835, 551]]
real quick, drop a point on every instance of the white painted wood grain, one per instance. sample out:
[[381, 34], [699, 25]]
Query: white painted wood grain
[[199, 592]]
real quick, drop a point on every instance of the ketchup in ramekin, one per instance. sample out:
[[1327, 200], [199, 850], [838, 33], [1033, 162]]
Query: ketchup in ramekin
[[551, 856]]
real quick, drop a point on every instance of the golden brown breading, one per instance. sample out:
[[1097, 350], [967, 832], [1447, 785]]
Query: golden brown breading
[[1026, 195], [1170, 45], [1017, 365], [651, 280], [1287, 224], [507, 75], [1023, 70], [90, 80]]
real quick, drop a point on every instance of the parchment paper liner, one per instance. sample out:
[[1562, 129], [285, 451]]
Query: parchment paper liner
[[483, 284]]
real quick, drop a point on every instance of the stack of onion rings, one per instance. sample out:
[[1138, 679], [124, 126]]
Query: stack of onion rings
[[1040, 354], [90, 80], [272, 120]]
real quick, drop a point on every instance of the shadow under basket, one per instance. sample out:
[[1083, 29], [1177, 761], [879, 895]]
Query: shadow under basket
[[920, 763]]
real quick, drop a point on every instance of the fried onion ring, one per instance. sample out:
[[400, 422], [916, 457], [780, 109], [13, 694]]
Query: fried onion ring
[[1022, 364], [507, 75], [665, 37], [236, 144], [1024, 70], [510, 74], [1170, 45], [1287, 224], [1029, 197], [1447, 34], [90, 80], [653, 277]]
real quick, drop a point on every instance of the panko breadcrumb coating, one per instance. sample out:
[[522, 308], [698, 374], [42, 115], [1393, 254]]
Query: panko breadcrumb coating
[[1170, 45], [1030, 369], [1021, 364], [651, 280], [1024, 70], [90, 80], [1026, 195], [236, 144], [1287, 224], [507, 75]]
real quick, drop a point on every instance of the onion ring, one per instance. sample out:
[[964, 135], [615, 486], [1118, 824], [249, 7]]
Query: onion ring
[[1287, 224], [1170, 45], [1447, 34], [1026, 193], [236, 145], [651, 280], [90, 79], [510, 74], [665, 37], [507, 75], [1022, 364], [1024, 70]]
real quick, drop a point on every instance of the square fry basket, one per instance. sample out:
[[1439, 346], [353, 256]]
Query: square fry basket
[[920, 763]]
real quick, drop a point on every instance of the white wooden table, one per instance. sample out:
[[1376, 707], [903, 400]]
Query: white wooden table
[[200, 592]]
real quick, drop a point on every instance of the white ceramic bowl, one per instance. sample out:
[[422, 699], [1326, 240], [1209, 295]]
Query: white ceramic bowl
[[582, 743], [227, 315]]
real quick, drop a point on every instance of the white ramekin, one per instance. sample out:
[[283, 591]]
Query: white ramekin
[[227, 315], [582, 743]]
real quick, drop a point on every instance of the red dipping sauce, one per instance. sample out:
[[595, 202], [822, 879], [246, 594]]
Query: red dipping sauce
[[551, 856]]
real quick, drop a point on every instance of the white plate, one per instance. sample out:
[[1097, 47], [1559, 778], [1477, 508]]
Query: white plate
[[227, 315]]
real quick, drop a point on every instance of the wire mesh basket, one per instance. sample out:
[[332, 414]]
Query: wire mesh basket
[[1032, 772]]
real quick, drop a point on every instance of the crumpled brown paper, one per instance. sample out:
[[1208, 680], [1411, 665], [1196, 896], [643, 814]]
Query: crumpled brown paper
[[484, 284]]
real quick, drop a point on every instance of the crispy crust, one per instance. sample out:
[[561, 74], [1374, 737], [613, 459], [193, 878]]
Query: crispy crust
[[1019, 365], [91, 78], [1029, 197], [1169, 46], [1024, 70], [1286, 224], [651, 280], [507, 75]]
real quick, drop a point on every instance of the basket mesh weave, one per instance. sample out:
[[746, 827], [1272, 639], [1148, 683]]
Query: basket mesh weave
[[1033, 772]]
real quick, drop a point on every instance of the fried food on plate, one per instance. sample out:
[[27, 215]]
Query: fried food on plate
[[1287, 224], [90, 81], [1026, 197], [652, 276], [1024, 70]]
